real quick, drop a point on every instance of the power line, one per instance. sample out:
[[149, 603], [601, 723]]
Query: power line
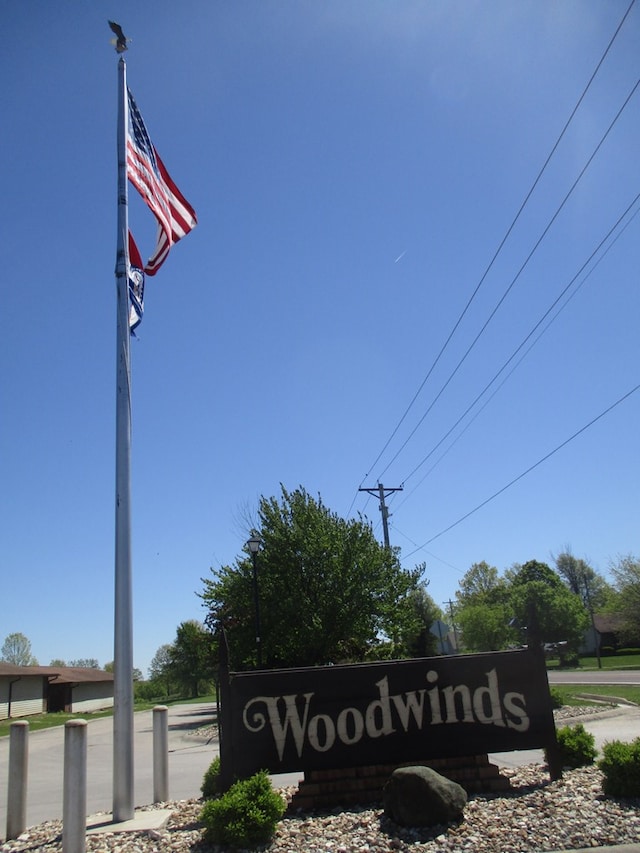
[[521, 359], [498, 250], [422, 548], [528, 471], [513, 369], [528, 336], [608, 249], [514, 280], [523, 356]]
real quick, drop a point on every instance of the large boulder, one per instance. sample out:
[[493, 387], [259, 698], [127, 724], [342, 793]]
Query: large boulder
[[418, 796]]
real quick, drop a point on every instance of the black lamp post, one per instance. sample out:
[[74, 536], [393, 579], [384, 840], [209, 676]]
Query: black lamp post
[[254, 545]]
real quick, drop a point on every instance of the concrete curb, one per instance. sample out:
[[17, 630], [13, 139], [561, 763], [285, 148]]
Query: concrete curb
[[142, 821], [597, 697]]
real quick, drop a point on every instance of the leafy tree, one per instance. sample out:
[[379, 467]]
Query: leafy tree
[[161, 661], [418, 641], [57, 662], [583, 580], [192, 658], [137, 673], [529, 602], [487, 627], [328, 590], [548, 609], [16, 649], [160, 671], [626, 573], [572, 570], [481, 584], [85, 663], [484, 612]]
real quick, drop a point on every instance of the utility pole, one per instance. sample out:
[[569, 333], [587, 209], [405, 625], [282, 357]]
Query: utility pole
[[381, 492], [596, 636], [453, 625]]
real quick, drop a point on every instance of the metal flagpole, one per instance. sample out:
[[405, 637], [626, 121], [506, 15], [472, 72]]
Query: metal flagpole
[[123, 797]]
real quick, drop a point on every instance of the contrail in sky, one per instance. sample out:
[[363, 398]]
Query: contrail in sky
[[400, 256]]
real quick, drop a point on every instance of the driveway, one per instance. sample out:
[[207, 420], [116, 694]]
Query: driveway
[[189, 757], [620, 723]]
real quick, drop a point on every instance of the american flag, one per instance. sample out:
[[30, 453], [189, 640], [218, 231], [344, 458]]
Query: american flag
[[147, 173]]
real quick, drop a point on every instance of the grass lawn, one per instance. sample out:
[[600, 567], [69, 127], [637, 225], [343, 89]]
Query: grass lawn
[[47, 721], [608, 663], [571, 693], [199, 700]]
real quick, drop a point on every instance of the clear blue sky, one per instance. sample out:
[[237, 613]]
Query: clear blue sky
[[355, 165]]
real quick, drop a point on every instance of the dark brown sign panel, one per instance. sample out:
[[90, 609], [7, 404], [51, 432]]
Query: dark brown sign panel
[[386, 712]]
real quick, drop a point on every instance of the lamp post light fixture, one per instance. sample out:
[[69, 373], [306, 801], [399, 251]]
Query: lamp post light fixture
[[254, 544]]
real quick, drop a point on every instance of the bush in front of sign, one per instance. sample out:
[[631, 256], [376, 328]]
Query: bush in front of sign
[[211, 782], [557, 698], [576, 746], [247, 813], [621, 768]]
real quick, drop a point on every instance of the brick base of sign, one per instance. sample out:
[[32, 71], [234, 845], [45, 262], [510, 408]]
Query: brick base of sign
[[349, 786]]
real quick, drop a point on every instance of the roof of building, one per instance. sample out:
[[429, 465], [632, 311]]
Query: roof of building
[[607, 623], [56, 674]]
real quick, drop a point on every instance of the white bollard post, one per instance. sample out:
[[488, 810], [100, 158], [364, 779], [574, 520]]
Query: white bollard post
[[74, 803], [17, 794], [160, 754]]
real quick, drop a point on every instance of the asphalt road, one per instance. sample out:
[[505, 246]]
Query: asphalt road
[[190, 756], [598, 676]]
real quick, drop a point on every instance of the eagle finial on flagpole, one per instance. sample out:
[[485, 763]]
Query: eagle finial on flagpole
[[120, 41]]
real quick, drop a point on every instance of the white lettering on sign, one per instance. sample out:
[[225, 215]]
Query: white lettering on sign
[[292, 714]]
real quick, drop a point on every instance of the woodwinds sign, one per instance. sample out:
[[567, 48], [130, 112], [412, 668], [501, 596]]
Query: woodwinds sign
[[386, 712]]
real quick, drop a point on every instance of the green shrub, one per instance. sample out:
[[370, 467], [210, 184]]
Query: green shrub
[[621, 767], [148, 691], [557, 698], [576, 746], [246, 814], [211, 783]]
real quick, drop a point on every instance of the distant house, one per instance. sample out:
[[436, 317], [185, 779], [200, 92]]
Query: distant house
[[446, 637], [604, 633], [26, 690]]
